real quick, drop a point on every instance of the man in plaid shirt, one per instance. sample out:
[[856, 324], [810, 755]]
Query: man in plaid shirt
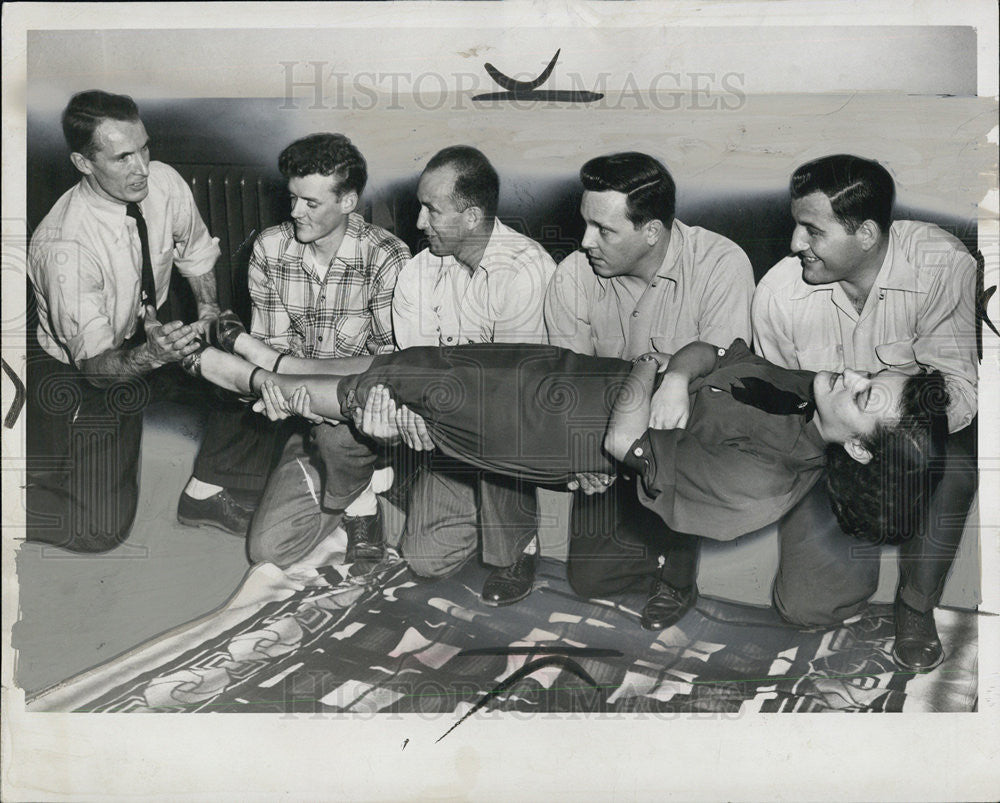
[[322, 286]]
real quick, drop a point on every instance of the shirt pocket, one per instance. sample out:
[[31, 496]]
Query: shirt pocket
[[829, 357], [352, 334], [896, 354], [609, 345]]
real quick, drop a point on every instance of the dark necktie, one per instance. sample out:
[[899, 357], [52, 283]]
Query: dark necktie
[[148, 283], [764, 396]]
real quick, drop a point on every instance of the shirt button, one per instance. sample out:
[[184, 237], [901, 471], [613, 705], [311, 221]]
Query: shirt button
[[652, 284], [320, 338], [448, 339], [635, 313], [721, 352], [470, 340], [637, 451]]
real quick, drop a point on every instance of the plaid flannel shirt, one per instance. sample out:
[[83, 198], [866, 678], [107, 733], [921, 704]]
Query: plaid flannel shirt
[[346, 314]]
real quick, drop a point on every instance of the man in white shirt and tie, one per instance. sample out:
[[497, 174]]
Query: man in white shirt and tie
[[100, 265]]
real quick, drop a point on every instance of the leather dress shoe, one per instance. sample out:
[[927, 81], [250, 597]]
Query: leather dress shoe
[[365, 539], [510, 584], [917, 646], [220, 510], [666, 605]]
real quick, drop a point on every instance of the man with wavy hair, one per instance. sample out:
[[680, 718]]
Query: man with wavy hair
[[321, 285], [863, 291]]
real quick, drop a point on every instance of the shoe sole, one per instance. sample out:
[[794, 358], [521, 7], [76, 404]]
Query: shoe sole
[[917, 669], [209, 523], [506, 602]]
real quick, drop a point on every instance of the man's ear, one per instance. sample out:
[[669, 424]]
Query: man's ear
[[654, 231], [473, 217], [869, 233], [349, 202], [854, 448], [81, 163]]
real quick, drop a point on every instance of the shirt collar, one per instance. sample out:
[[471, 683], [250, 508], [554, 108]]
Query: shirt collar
[[497, 247], [346, 251], [111, 211], [897, 273], [349, 245], [670, 268]]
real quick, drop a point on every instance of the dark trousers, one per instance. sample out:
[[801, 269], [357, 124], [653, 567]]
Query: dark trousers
[[616, 544], [83, 448], [825, 576], [82, 474], [239, 448]]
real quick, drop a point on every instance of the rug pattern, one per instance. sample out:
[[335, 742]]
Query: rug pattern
[[386, 643]]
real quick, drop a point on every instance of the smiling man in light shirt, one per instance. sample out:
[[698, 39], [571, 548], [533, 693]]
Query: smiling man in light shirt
[[321, 285], [864, 292], [100, 263]]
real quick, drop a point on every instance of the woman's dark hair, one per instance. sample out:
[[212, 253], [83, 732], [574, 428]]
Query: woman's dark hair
[[885, 500], [85, 112], [326, 155]]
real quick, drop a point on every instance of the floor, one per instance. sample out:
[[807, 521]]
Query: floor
[[80, 610]]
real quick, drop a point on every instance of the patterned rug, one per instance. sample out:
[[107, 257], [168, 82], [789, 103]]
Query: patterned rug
[[386, 643]]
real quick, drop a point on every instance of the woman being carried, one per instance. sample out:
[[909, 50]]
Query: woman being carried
[[749, 438]]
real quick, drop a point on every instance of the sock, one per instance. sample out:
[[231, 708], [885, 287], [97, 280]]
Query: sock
[[364, 505], [382, 479], [197, 489]]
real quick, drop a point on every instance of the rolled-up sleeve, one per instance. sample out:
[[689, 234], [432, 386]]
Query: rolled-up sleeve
[[195, 250]]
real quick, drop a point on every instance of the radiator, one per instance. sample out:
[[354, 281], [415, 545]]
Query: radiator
[[236, 203]]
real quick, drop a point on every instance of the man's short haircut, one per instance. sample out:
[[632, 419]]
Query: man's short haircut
[[858, 189], [326, 155], [476, 181], [85, 112], [885, 500], [649, 189]]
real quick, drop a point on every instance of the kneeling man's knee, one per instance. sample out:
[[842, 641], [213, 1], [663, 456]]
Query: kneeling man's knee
[[808, 610]]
